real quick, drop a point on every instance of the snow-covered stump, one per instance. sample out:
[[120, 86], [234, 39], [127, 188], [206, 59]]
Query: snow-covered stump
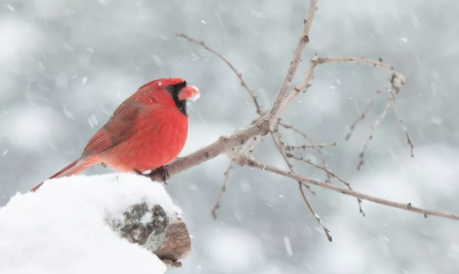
[[117, 223], [151, 228]]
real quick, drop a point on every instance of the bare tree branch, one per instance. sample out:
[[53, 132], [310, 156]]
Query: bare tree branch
[[372, 132], [296, 177], [277, 139], [253, 142], [324, 165], [250, 137], [348, 185], [272, 116], [238, 74], [316, 148], [400, 119], [302, 87], [364, 113], [304, 147], [361, 60], [223, 145], [275, 112], [326, 231], [222, 189]]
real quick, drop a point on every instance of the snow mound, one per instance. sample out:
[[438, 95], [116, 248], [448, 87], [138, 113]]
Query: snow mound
[[62, 227]]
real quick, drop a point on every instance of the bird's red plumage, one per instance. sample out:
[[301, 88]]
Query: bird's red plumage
[[148, 130], [159, 134]]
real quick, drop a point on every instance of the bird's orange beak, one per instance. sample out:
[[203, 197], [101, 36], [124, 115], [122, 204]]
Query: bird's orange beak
[[189, 93]]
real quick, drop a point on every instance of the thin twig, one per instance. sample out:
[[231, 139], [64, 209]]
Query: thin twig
[[361, 60], [316, 216], [372, 132], [364, 113], [222, 189], [397, 81], [324, 164], [247, 151], [275, 112], [301, 87], [348, 185], [277, 139], [252, 144], [309, 73], [296, 177], [249, 148], [238, 74], [275, 135], [316, 148], [400, 119], [309, 162], [304, 147]]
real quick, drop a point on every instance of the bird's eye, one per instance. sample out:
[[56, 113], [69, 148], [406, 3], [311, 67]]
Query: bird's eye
[[170, 89]]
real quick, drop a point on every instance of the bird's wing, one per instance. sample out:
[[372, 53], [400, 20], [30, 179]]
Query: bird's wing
[[119, 128]]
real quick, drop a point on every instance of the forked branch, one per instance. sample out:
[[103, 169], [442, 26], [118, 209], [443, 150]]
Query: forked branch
[[240, 145]]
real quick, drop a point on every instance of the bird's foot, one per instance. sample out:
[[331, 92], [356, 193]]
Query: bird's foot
[[163, 171], [138, 172]]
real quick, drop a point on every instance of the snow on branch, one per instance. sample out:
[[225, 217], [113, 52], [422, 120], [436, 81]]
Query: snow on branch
[[113, 223]]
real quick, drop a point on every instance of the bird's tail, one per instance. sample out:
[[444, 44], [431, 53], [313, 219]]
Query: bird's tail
[[74, 168]]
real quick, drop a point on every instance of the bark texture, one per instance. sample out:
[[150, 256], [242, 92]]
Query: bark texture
[[152, 229]]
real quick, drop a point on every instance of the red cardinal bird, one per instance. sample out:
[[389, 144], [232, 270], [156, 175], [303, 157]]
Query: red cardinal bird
[[147, 131]]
